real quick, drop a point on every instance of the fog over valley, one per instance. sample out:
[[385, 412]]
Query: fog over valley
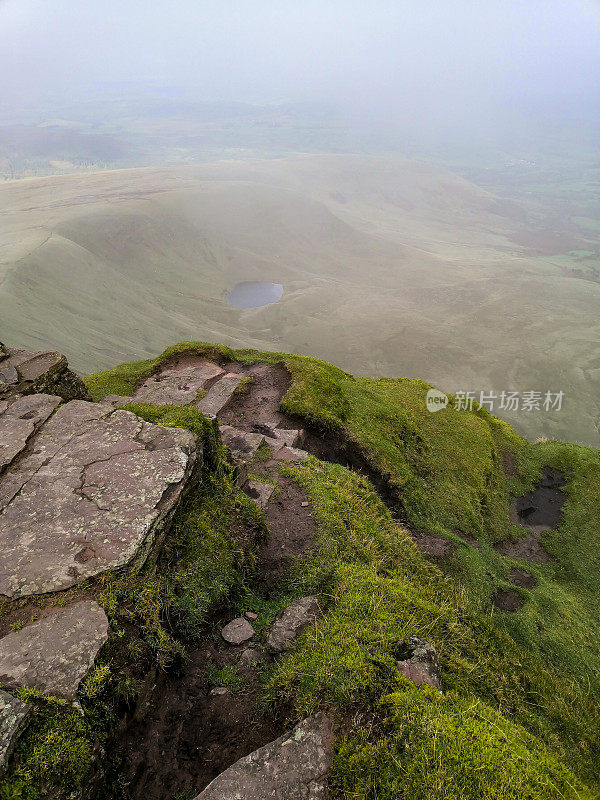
[[420, 179]]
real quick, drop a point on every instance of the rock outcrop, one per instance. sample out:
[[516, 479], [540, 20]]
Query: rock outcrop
[[292, 622], [13, 718], [295, 767], [35, 372], [54, 653], [91, 491], [419, 662]]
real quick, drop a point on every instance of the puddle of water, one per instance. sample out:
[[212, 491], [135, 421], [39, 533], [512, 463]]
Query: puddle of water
[[542, 508], [254, 294]]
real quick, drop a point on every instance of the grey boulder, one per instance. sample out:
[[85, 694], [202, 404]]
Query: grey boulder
[[238, 631], [420, 662], [294, 767], [292, 622]]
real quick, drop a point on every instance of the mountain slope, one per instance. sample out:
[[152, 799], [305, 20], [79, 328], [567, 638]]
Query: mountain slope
[[388, 267]]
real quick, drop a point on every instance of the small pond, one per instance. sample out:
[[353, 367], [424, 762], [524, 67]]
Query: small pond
[[253, 294]]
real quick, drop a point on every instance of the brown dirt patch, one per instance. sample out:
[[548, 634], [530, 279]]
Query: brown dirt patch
[[509, 465], [541, 509], [182, 736], [292, 528], [433, 544], [257, 409], [522, 578], [526, 548], [508, 600], [470, 540]]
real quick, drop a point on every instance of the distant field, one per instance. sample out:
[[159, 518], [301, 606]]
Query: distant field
[[389, 267]]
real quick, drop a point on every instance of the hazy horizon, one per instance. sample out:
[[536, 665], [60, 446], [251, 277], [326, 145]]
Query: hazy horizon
[[412, 64]]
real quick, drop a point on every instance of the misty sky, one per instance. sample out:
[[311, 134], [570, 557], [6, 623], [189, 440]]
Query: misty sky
[[434, 55]]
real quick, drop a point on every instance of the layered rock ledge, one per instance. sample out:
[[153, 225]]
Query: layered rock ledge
[[33, 371], [91, 491]]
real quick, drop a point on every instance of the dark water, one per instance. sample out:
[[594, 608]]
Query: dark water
[[253, 294]]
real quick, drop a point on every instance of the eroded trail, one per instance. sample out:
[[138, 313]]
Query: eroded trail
[[188, 730]]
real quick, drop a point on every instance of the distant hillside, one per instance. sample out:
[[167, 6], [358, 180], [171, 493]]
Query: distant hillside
[[389, 267]]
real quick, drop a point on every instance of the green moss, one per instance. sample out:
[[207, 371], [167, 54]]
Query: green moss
[[438, 747], [54, 752]]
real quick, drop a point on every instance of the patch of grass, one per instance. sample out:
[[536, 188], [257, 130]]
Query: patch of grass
[[225, 676], [379, 590], [53, 754], [445, 747]]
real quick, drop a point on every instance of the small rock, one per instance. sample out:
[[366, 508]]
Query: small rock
[[238, 631], [291, 454], [218, 691], [304, 504], [292, 622], [251, 615], [295, 767], [13, 718], [420, 662], [251, 656], [260, 493]]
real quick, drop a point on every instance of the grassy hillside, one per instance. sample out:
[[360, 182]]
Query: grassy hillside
[[519, 716], [388, 267]]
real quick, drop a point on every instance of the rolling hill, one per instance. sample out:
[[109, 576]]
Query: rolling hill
[[389, 267]]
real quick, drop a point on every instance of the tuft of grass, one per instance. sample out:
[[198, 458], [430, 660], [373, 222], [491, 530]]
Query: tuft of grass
[[225, 676], [53, 754], [445, 747]]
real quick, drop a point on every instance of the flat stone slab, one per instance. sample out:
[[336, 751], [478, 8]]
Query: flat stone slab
[[290, 454], [289, 436], [260, 493], [177, 384], [13, 718], [292, 622], [54, 653], [38, 371], [238, 631], [220, 394], [92, 492], [294, 767], [19, 420], [243, 445]]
